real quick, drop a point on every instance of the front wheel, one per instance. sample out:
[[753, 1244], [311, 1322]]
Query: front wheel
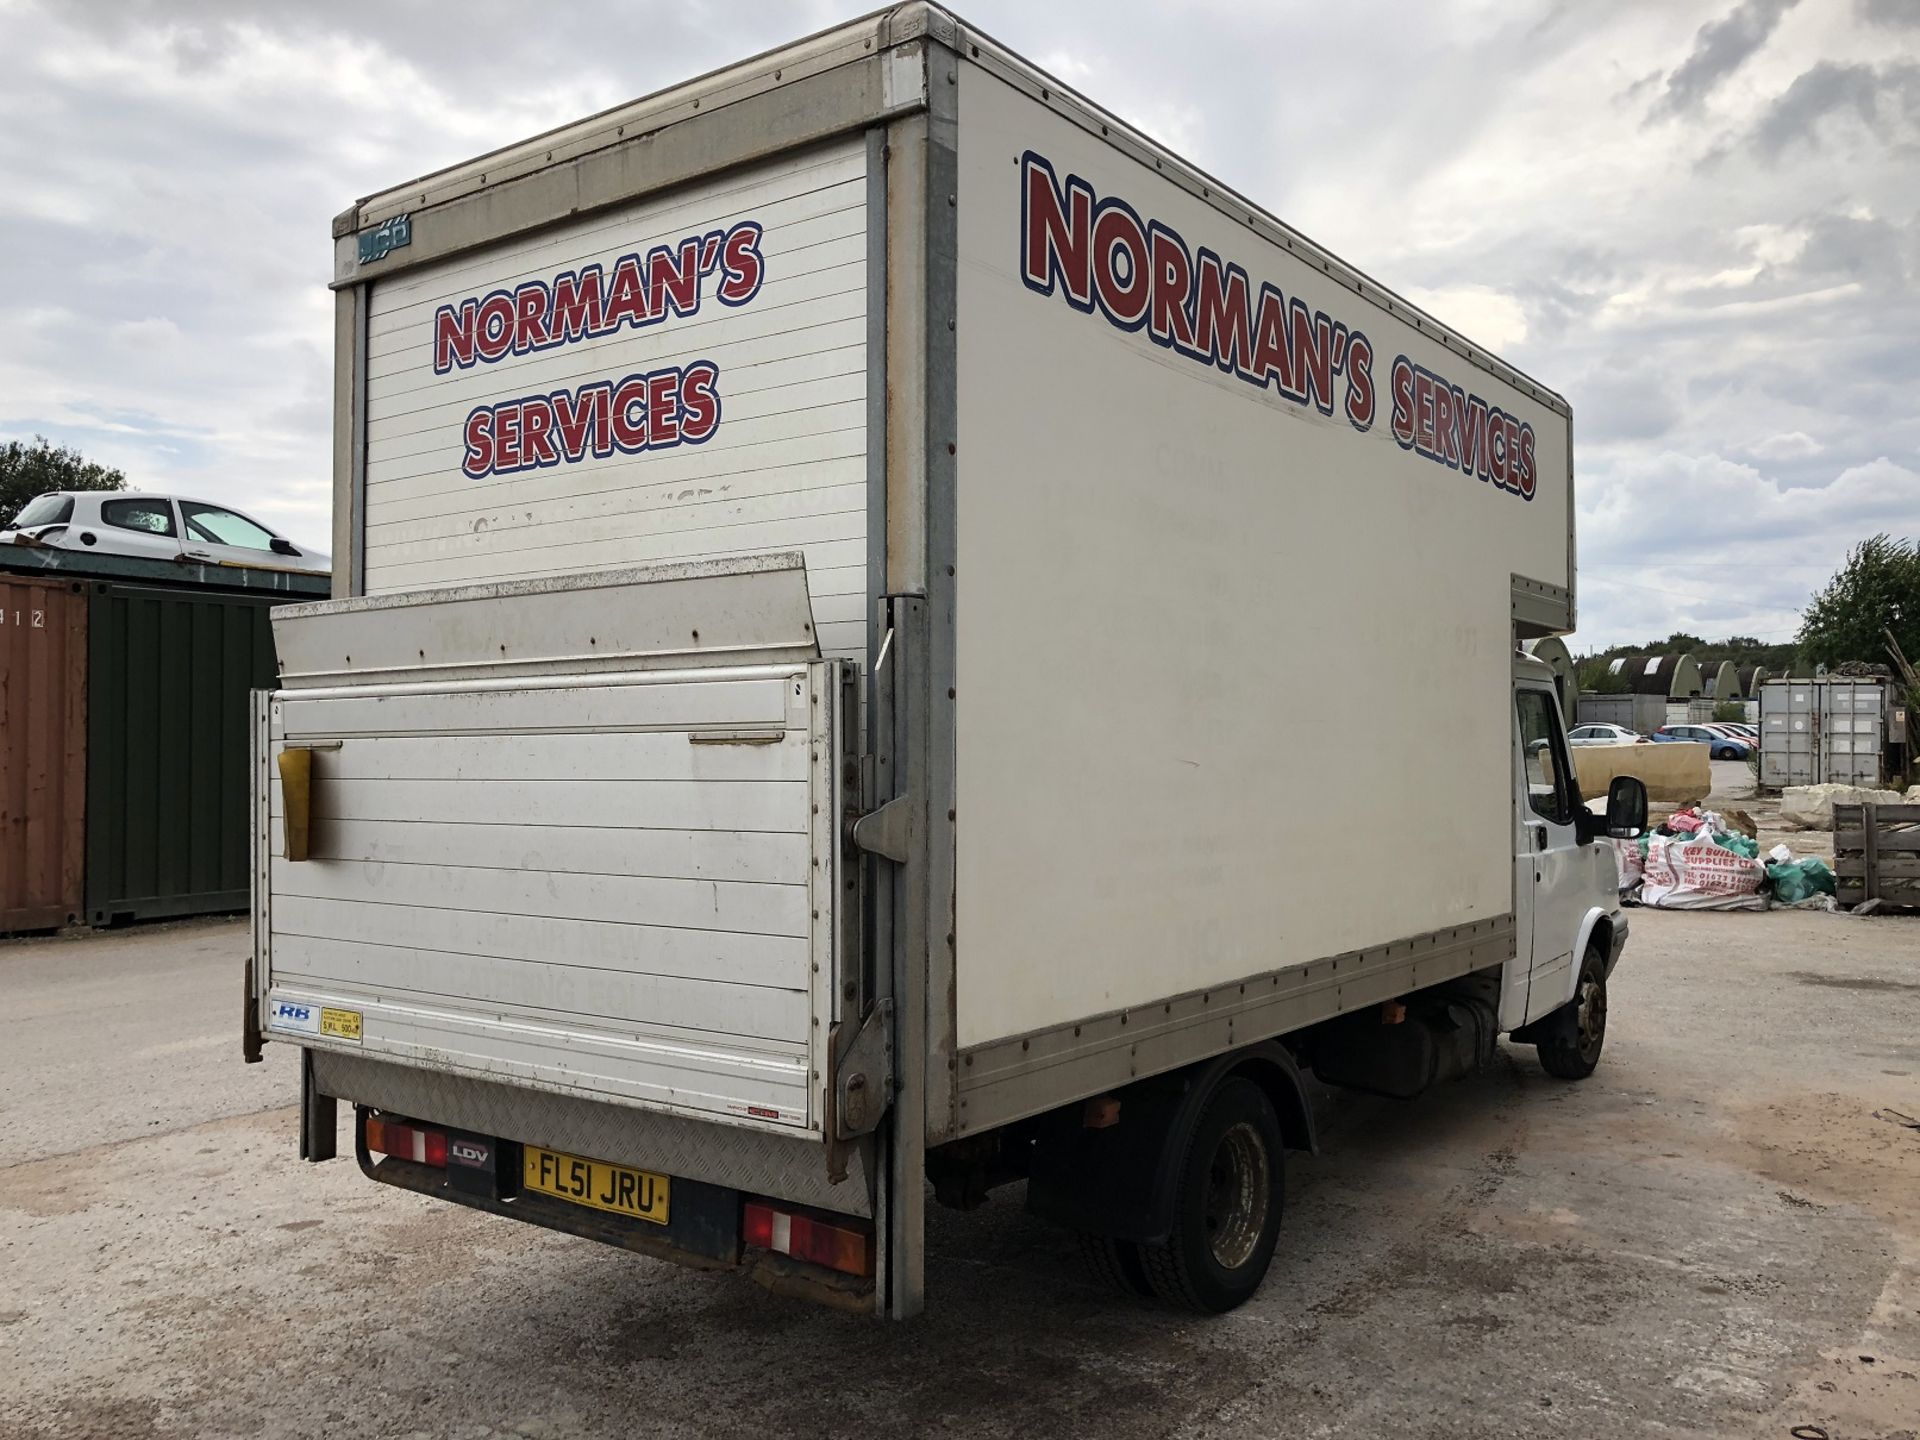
[[1576, 1058], [1226, 1218]]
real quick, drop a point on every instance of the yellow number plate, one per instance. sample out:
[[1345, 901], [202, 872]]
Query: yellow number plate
[[595, 1183]]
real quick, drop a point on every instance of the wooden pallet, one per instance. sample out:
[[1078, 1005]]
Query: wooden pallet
[[1876, 853]]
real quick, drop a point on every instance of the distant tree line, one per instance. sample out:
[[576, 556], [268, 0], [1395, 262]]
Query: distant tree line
[[30, 470], [1875, 591]]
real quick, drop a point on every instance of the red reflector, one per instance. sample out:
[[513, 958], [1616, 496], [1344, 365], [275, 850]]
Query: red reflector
[[818, 1242], [406, 1142], [756, 1227]]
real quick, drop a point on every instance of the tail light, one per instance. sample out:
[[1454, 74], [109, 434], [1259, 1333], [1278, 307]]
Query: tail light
[[406, 1142], [819, 1242]]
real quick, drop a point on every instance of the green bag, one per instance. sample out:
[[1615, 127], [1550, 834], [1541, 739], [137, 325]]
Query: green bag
[[1802, 879]]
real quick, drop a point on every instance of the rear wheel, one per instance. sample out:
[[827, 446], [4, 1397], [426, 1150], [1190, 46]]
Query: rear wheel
[[1576, 1058], [1115, 1264], [1226, 1218]]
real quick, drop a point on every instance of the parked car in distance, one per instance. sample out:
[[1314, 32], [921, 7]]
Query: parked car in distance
[[1720, 747], [1604, 735], [157, 527]]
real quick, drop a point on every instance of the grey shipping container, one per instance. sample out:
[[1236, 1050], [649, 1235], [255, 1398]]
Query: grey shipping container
[[43, 763], [170, 677], [1822, 732]]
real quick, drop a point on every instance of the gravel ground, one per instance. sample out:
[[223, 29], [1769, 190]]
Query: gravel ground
[[1718, 1234]]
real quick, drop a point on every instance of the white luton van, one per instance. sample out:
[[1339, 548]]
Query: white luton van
[[841, 572]]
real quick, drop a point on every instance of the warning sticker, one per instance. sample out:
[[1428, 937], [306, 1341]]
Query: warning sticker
[[340, 1024]]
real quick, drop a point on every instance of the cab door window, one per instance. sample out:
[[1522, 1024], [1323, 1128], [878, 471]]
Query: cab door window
[[215, 526], [1550, 788]]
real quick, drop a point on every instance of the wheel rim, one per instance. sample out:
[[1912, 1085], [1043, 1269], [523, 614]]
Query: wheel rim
[[1239, 1191], [1593, 1016]]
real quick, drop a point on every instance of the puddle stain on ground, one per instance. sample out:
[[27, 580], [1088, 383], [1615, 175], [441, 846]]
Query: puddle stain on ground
[[1868, 984]]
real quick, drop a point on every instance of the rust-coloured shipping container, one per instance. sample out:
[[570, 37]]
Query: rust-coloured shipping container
[[43, 752]]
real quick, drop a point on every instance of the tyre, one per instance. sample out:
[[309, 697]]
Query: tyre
[[1115, 1264], [1227, 1200], [1575, 1059]]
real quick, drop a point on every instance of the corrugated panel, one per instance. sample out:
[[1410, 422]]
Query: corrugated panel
[[1675, 676], [1786, 742], [783, 468], [1645, 713], [1852, 724], [170, 672], [43, 762]]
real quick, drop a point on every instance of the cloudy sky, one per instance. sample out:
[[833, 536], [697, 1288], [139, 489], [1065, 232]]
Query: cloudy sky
[[1698, 219]]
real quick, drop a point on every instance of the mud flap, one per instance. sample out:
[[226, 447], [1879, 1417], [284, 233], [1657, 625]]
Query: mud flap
[[1557, 1027], [319, 1116]]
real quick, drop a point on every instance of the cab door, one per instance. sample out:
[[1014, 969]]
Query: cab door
[[226, 537], [1549, 870]]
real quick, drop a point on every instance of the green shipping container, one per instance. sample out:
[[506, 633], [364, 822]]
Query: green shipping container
[[169, 677]]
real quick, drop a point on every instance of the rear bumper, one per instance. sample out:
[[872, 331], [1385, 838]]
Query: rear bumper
[[734, 1157], [703, 1230]]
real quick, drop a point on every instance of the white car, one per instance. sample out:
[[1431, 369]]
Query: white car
[[1603, 735], [157, 527]]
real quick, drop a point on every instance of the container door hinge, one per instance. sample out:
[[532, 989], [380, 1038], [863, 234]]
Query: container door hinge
[[860, 1086], [863, 1078], [886, 832]]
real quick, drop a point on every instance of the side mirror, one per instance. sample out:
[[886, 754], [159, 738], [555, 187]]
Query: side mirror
[[284, 546], [1626, 807]]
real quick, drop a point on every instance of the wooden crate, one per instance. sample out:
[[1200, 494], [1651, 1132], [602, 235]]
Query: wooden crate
[[1876, 853]]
